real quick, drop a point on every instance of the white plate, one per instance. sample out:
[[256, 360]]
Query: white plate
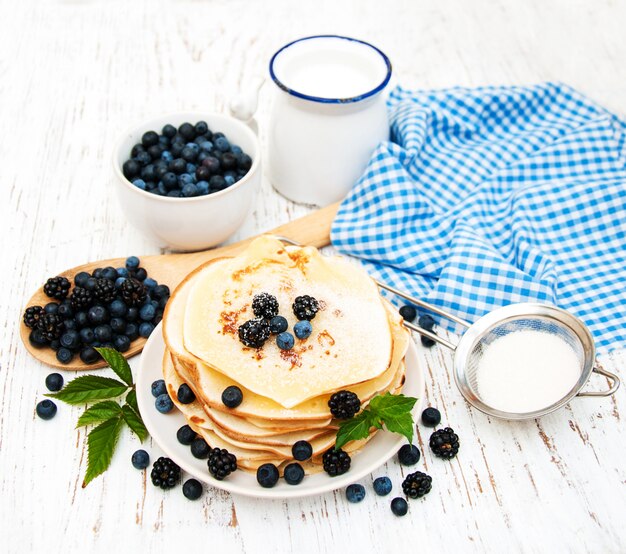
[[163, 429]]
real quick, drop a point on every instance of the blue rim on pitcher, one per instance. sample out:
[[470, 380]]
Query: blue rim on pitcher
[[357, 98]]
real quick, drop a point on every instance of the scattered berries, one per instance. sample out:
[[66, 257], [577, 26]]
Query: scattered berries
[[165, 473], [46, 409], [293, 474], [278, 324], [54, 382], [399, 506], [265, 305], [221, 463], [285, 341], [158, 388], [344, 404], [254, 333], [408, 312], [417, 484], [426, 322], [444, 443], [408, 455], [336, 462], [303, 329], [200, 449], [355, 493], [57, 287], [185, 435], [32, 315], [185, 395], [302, 450], [431, 417], [232, 396], [305, 307], [192, 489], [140, 459], [382, 486], [267, 475], [163, 403]]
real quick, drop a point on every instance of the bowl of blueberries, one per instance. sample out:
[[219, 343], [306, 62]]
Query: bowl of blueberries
[[188, 180]]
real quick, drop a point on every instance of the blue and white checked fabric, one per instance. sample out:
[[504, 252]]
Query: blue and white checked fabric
[[489, 196]]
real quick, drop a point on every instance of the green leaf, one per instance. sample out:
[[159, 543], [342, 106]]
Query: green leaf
[[89, 387], [356, 428], [392, 404], [131, 400], [99, 412], [118, 364], [134, 421], [401, 424], [101, 443]]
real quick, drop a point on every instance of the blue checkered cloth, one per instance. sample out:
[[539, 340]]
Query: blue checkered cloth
[[494, 195]]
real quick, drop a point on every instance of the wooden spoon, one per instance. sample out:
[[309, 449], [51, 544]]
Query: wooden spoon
[[171, 269]]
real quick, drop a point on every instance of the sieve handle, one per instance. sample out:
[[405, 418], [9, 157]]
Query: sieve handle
[[430, 335], [615, 382]]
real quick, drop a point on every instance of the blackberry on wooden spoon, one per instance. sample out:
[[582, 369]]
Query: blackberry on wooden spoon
[[51, 326], [133, 292], [57, 287], [81, 298], [104, 290], [32, 315]]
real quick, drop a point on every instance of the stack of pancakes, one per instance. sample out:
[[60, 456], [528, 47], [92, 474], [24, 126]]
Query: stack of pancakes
[[358, 343]]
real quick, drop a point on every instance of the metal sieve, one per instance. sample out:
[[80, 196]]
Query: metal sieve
[[503, 321], [509, 319]]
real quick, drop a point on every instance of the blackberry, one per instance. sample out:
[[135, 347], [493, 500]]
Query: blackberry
[[221, 463], [336, 462], [254, 333], [417, 484], [344, 404], [133, 292], [32, 315], [444, 443], [81, 298], [305, 307], [57, 287], [51, 326], [165, 473], [105, 290], [265, 305]]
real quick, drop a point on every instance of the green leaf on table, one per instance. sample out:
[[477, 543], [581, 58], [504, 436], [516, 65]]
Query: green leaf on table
[[99, 412], [356, 428], [134, 421], [101, 443], [131, 400], [118, 363], [89, 387]]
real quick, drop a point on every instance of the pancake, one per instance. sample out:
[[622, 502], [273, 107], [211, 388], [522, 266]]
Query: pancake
[[351, 341]]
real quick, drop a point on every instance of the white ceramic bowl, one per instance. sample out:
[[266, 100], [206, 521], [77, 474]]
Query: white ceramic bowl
[[190, 223]]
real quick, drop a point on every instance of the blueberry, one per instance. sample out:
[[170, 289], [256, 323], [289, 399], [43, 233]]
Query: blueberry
[[176, 149], [46, 409], [235, 149], [431, 417], [189, 154], [201, 128], [89, 355], [158, 388], [51, 308], [119, 282], [65, 310], [169, 131], [70, 324], [136, 149], [200, 449], [154, 153], [203, 188], [267, 475], [55, 344], [147, 312], [232, 396], [426, 322], [87, 335], [178, 166], [427, 341], [132, 332], [81, 278], [140, 459], [229, 180], [97, 273], [399, 506], [229, 161], [143, 159], [293, 474], [149, 283], [217, 183], [303, 329], [185, 395], [192, 489], [132, 314], [203, 173], [222, 144], [285, 341], [212, 164], [64, 355], [382, 486], [148, 173], [185, 435], [190, 190], [187, 131], [121, 271], [161, 291], [149, 138], [355, 493], [118, 325], [163, 403], [206, 146], [140, 184], [167, 156], [90, 284], [70, 340], [140, 274], [244, 162], [98, 315], [81, 319], [121, 343], [103, 333], [302, 450], [109, 273], [132, 262], [408, 312], [54, 382], [37, 339], [408, 455], [131, 169], [278, 324], [145, 329]]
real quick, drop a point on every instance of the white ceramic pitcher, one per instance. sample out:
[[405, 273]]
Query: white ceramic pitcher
[[328, 115]]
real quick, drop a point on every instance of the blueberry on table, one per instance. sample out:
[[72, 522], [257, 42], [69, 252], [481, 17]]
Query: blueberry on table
[[54, 382], [232, 396], [163, 403], [192, 489], [355, 493], [185, 435], [426, 322], [140, 459], [408, 455], [200, 449], [140, 274], [285, 341], [158, 388], [267, 475], [427, 341], [431, 417], [399, 506], [185, 395], [302, 450], [46, 409], [303, 329], [293, 474], [408, 312], [382, 486]]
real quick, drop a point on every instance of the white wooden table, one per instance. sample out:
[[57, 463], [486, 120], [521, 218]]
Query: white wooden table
[[73, 74]]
